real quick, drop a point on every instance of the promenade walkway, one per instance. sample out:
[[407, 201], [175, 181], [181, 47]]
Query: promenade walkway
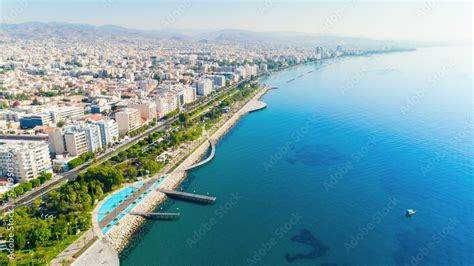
[[68, 253], [120, 208], [100, 253], [255, 105], [209, 158]]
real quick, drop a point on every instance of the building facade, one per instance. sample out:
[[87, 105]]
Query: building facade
[[75, 142], [147, 109], [128, 120], [24, 159], [204, 87]]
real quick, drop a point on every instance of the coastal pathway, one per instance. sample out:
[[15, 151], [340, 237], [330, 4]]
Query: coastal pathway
[[119, 209]]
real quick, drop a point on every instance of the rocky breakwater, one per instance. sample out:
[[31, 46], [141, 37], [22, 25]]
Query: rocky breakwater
[[120, 234]]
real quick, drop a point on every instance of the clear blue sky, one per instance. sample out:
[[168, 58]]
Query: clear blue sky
[[428, 20]]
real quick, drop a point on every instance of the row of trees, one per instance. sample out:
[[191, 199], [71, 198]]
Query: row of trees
[[27, 186], [67, 211], [64, 213], [83, 158]]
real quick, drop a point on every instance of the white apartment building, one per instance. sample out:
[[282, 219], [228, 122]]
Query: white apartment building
[[128, 120], [108, 130], [63, 113], [251, 70], [93, 136], [56, 141], [241, 72], [185, 94], [147, 109], [8, 115], [218, 80], [75, 142], [24, 159], [165, 103], [82, 137], [204, 87]]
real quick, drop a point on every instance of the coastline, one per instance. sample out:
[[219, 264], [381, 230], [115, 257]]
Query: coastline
[[119, 235]]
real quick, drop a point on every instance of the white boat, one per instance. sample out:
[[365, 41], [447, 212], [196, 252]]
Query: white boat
[[410, 212]]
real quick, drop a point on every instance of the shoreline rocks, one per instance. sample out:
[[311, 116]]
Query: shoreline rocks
[[120, 234]]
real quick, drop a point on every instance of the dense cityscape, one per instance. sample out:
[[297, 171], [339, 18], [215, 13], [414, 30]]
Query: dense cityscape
[[304, 132], [65, 106]]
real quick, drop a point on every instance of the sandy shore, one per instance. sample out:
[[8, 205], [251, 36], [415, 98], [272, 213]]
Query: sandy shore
[[119, 235]]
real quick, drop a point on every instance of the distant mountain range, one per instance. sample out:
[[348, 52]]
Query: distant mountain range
[[66, 31], [52, 30]]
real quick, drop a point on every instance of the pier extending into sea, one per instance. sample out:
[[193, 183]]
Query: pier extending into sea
[[187, 196], [157, 215], [119, 234]]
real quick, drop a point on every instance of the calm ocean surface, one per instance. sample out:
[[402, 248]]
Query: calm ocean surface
[[324, 175]]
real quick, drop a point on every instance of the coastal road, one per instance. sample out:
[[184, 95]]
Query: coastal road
[[41, 192]]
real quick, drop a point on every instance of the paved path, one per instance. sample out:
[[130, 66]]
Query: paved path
[[72, 249], [95, 251], [119, 209], [209, 158], [100, 253], [255, 105], [42, 191]]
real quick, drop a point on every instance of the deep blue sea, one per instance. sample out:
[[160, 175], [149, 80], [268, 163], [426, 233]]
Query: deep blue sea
[[324, 174]]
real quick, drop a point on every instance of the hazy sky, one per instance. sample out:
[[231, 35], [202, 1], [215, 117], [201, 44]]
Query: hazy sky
[[415, 20]]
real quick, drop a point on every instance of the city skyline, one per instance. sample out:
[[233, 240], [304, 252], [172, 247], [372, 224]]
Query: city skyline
[[418, 21], [235, 133]]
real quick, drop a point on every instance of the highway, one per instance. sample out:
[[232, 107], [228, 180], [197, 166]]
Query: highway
[[41, 192]]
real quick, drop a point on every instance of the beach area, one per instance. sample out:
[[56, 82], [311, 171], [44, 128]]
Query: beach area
[[119, 235]]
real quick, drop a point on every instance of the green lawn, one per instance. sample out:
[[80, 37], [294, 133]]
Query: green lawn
[[44, 254]]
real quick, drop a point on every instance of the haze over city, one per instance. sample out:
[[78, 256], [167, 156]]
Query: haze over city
[[423, 21]]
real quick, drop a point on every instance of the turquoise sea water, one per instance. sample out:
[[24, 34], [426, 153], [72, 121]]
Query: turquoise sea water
[[324, 175]]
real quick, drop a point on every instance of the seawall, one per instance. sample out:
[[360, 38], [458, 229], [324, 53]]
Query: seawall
[[121, 233]]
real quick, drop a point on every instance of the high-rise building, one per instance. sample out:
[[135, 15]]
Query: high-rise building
[[204, 86], [56, 141], [93, 136], [185, 94], [319, 52], [75, 142], [147, 109], [108, 131], [251, 70], [82, 137], [128, 119], [241, 71], [166, 103], [218, 80], [339, 51], [24, 159]]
